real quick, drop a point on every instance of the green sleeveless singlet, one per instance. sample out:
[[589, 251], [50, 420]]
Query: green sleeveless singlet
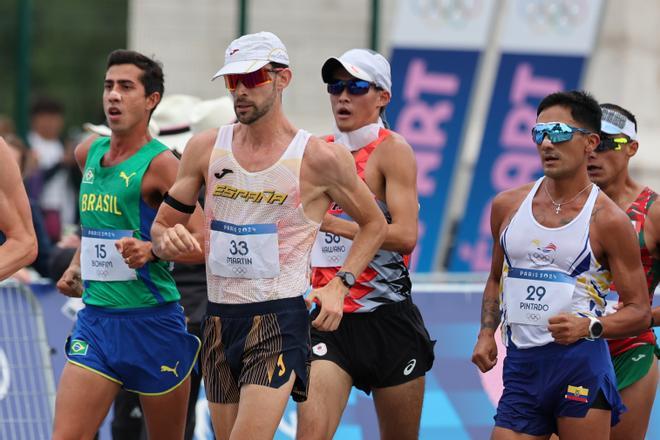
[[111, 206]]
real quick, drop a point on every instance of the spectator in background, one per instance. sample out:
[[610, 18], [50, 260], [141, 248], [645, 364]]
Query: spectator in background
[[23, 158], [56, 195], [6, 126]]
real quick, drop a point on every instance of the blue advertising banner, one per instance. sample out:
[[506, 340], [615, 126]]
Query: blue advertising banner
[[544, 48], [508, 156], [430, 95], [435, 57]]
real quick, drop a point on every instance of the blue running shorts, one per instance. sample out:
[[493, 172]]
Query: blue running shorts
[[146, 350], [551, 381]]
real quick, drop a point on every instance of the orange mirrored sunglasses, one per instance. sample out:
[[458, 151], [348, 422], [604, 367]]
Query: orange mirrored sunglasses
[[250, 80]]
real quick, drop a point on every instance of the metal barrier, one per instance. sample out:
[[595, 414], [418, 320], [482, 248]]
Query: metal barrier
[[27, 388]]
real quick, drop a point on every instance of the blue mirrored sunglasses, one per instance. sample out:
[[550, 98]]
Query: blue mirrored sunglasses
[[354, 86], [556, 131]]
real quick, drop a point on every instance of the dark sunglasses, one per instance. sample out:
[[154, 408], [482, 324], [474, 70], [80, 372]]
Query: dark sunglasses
[[557, 132], [354, 86], [250, 80], [607, 144]]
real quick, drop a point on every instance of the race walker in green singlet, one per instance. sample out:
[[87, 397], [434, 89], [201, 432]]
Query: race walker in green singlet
[[111, 207], [132, 332]]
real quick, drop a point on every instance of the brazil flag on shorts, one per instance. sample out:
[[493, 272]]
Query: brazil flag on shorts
[[111, 201]]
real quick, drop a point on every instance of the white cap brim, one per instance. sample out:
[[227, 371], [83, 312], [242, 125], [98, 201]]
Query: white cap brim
[[176, 142], [332, 63], [240, 67], [101, 130]]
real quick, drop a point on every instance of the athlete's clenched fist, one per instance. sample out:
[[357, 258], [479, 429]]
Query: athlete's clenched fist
[[175, 242]]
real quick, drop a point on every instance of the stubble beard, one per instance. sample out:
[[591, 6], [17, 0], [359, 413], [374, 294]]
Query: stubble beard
[[251, 117]]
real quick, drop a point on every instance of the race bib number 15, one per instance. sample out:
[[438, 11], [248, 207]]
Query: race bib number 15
[[99, 258]]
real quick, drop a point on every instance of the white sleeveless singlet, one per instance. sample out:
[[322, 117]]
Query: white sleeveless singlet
[[258, 240], [547, 271]]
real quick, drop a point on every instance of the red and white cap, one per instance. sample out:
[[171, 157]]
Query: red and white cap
[[363, 64], [252, 52]]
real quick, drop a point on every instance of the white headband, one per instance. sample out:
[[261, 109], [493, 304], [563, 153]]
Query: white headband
[[613, 122]]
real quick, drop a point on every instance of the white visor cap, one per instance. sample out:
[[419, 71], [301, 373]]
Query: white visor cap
[[613, 122]]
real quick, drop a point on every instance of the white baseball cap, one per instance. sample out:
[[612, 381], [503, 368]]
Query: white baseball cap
[[363, 64], [613, 122], [173, 119], [252, 52]]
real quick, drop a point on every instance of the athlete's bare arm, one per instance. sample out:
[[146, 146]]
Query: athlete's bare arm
[[652, 239], [615, 246], [503, 208], [169, 236], [328, 173], [395, 162], [20, 247]]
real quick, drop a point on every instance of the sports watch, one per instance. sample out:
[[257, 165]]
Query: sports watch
[[347, 278], [595, 328]]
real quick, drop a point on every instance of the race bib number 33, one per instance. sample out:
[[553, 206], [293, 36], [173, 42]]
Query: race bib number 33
[[244, 251], [99, 258], [532, 296]]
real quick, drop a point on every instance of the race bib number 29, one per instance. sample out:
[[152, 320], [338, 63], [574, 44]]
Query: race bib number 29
[[533, 296]]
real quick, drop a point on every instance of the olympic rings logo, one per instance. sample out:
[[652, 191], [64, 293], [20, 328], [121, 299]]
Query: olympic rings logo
[[533, 317], [239, 270], [542, 258], [555, 15], [456, 12]]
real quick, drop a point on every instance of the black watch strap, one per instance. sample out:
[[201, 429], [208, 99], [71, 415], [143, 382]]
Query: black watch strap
[[347, 278]]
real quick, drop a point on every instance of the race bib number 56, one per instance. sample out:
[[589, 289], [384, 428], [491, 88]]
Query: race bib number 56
[[331, 250]]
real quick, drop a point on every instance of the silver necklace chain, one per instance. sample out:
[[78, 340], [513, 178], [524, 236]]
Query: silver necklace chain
[[558, 205]]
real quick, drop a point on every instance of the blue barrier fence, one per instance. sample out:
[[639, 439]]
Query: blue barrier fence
[[459, 403], [26, 380]]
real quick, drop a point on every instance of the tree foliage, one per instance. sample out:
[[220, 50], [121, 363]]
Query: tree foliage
[[70, 41]]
